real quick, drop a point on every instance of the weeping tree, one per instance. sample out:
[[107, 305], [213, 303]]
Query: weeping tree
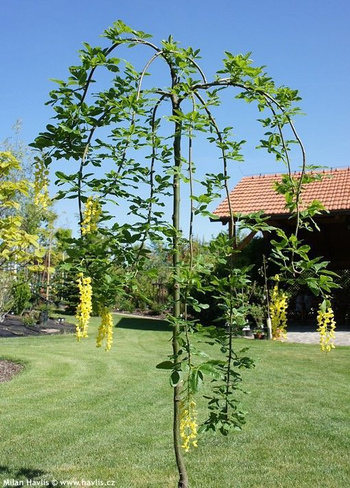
[[128, 143]]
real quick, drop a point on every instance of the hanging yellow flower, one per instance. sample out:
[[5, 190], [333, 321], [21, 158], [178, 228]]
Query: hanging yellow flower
[[326, 327], [41, 184], [105, 331], [84, 308], [278, 312], [92, 214], [188, 425]]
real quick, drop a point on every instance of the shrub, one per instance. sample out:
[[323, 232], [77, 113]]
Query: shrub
[[21, 295]]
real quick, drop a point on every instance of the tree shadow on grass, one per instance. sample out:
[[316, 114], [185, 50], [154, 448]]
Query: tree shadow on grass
[[143, 324], [21, 477]]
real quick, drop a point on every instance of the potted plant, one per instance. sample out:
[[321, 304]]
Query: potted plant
[[258, 333], [257, 313]]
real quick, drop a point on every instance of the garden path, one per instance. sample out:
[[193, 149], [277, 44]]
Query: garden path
[[342, 337]]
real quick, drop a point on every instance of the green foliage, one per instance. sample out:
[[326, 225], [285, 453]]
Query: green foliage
[[19, 247], [249, 258], [225, 413], [122, 123], [21, 295], [292, 257], [15, 243], [258, 313], [31, 318]]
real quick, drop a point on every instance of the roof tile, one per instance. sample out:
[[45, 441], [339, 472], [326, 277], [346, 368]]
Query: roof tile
[[256, 193]]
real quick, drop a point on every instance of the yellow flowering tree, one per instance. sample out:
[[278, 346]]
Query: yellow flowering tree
[[326, 326], [18, 247], [105, 331], [120, 131], [188, 425], [84, 308], [92, 213], [292, 256], [278, 312], [41, 183], [102, 289]]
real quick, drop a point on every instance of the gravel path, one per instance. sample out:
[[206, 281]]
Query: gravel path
[[342, 337]]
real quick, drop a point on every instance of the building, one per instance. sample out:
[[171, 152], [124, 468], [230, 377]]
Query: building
[[332, 241]]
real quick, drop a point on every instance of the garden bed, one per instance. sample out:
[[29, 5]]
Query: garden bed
[[13, 326]]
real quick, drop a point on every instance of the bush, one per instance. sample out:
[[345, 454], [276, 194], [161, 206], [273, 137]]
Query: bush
[[21, 295], [30, 319], [125, 304]]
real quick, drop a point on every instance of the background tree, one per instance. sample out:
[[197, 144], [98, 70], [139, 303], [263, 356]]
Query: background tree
[[18, 248], [28, 278]]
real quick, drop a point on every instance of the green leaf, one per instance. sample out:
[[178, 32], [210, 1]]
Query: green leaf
[[210, 368], [64, 177], [313, 286], [195, 380], [165, 365], [324, 305], [175, 378]]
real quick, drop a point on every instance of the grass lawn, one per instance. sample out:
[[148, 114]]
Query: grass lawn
[[79, 413]]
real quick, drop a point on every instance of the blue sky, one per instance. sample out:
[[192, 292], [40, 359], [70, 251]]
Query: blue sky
[[304, 44]]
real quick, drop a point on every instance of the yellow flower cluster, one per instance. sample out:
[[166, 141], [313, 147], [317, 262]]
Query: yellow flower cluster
[[41, 184], [188, 426], [105, 331], [278, 312], [84, 308], [92, 213], [326, 328]]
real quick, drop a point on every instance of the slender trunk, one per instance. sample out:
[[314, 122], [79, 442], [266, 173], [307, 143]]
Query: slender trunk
[[48, 263], [183, 478], [232, 234]]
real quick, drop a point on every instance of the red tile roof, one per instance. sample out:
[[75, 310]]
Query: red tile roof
[[256, 193]]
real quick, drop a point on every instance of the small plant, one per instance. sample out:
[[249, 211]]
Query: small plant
[[48, 308], [257, 312], [156, 308], [259, 333], [125, 304], [29, 319], [21, 295]]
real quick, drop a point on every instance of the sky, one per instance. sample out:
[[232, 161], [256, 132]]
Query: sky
[[304, 44]]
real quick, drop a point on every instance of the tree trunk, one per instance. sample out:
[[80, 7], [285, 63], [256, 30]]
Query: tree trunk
[[183, 478]]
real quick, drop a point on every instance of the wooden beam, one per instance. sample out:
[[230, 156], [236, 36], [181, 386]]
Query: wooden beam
[[246, 240]]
